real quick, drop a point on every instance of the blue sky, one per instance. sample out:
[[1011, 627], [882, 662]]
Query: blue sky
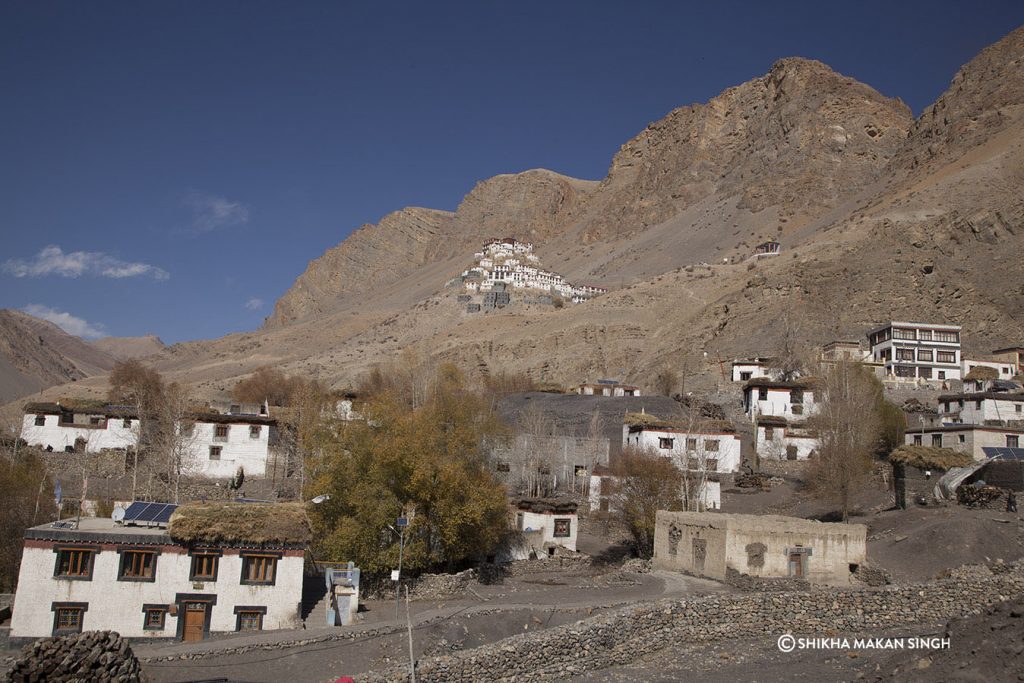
[[170, 167]]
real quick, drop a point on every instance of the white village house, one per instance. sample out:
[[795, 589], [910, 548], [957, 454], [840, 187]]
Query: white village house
[[217, 445], [912, 351], [545, 526], [61, 428], [777, 438], [607, 387], [213, 444], [971, 439], [746, 369], [777, 398], [199, 576], [971, 422]]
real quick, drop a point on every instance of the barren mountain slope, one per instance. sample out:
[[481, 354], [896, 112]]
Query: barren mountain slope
[[123, 348], [941, 238], [35, 354]]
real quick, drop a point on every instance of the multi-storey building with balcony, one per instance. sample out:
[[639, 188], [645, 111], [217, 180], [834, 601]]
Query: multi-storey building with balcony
[[910, 351]]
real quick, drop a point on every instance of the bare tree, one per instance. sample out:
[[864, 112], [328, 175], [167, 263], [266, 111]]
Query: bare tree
[[666, 382], [849, 427], [644, 482]]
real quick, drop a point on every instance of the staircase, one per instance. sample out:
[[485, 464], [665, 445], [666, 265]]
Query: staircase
[[314, 600]]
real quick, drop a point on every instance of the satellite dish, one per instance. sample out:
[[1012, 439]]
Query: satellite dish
[[118, 514]]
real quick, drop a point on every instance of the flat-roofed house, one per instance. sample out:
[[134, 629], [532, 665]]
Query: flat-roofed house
[[911, 351], [217, 445], [215, 568], [792, 400], [57, 427]]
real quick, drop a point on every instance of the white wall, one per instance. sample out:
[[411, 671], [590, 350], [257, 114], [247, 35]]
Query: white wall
[[991, 409], [117, 605], [1005, 370], [113, 435], [755, 370], [776, 448], [778, 403], [973, 439], [728, 453], [546, 524], [238, 450]]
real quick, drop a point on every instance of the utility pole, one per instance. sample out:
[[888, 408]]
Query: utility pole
[[401, 523]]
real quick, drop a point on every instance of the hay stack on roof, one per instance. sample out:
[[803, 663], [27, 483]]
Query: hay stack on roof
[[981, 373], [929, 457], [241, 523]]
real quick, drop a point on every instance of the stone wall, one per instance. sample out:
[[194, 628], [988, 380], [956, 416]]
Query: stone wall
[[626, 634]]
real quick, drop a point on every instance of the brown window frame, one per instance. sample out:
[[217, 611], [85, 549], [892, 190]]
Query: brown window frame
[[249, 612], [255, 431], [562, 528], [74, 564], [201, 559], [666, 443], [945, 356], [220, 432], [137, 564], [40, 421], [148, 611], [1012, 441], [216, 452], [712, 445], [259, 569], [66, 609]]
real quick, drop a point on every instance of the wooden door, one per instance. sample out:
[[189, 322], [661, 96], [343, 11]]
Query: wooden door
[[796, 565], [195, 621]]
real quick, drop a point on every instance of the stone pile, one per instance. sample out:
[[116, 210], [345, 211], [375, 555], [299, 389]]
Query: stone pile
[[624, 635], [101, 656]]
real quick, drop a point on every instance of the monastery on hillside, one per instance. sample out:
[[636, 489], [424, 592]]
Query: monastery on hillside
[[507, 262]]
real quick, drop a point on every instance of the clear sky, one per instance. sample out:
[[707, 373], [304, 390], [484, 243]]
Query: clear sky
[[170, 167]]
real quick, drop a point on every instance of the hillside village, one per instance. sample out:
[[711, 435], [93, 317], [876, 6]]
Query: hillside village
[[498, 473]]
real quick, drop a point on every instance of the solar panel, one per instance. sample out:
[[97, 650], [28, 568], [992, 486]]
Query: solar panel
[[1003, 453], [149, 513]]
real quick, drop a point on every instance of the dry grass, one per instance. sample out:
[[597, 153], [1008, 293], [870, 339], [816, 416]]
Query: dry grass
[[246, 523], [929, 457], [981, 373]]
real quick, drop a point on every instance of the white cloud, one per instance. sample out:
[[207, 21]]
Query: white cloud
[[67, 322], [52, 260], [210, 212], [254, 304]]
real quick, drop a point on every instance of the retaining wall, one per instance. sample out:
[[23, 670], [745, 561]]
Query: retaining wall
[[629, 633]]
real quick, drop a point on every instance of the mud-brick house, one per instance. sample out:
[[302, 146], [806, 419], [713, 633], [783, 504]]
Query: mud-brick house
[[212, 568], [80, 428], [768, 546], [776, 438]]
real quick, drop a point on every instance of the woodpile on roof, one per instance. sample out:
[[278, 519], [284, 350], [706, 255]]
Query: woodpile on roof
[[929, 457], [698, 425], [547, 505], [241, 523], [981, 373]]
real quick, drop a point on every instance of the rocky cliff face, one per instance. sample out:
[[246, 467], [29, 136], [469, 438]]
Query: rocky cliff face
[[801, 137], [371, 256], [985, 97]]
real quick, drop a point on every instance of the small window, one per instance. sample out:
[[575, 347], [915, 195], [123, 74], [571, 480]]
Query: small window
[[501, 466], [762, 394], [235, 409], [945, 356], [796, 396], [563, 528], [977, 405], [68, 618], [258, 569], [937, 440], [74, 564], [95, 421], [769, 433], [665, 443], [1018, 407], [204, 567], [254, 431], [691, 445], [127, 423], [925, 355], [1012, 441], [220, 432], [155, 617], [942, 374], [711, 445], [215, 452], [40, 420], [137, 565], [961, 438], [918, 439], [250, 619]]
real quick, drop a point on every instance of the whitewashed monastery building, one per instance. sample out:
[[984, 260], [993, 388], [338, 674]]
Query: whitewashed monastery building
[[510, 262]]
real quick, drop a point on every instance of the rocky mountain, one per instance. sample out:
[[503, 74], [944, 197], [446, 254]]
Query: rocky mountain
[[123, 348], [881, 216], [36, 354]]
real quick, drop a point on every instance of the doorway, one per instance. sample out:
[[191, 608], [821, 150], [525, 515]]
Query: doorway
[[796, 565], [195, 621]]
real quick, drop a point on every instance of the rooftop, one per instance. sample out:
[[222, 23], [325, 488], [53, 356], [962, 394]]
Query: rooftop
[[926, 326]]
